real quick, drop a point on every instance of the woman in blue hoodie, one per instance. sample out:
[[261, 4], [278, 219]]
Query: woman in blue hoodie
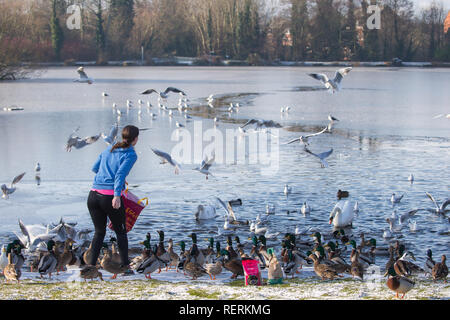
[[104, 201]]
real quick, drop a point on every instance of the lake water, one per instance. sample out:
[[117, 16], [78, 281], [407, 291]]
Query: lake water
[[387, 130]]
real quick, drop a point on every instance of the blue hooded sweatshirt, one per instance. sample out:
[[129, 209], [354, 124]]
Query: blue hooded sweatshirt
[[112, 168]]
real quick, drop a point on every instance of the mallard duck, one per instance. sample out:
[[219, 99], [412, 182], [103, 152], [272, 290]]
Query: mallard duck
[[232, 265], [403, 267], [429, 264], [263, 250], [390, 263], [48, 262], [150, 264], [174, 258], [400, 284], [274, 271], [145, 253], [440, 270], [377, 251], [90, 272], [67, 255], [209, 252], [195, 253], [114, 251], [161, 252], [356, 269], [240, 248], [213, 269], [16, 249], [342, 214], [324, 271], [183, 255], [364, 259], [110, 265], [10, 271], [193, 268], [87, 255]]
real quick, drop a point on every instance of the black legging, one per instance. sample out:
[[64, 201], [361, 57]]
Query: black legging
[[100, 207]]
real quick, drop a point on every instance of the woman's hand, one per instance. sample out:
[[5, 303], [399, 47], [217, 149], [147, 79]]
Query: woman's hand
[[116, 202]]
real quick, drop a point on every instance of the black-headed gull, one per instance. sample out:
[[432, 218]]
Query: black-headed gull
[[6, 191], [332, 85], [166, 158], [165, 94], [83, 76], [321, 156]]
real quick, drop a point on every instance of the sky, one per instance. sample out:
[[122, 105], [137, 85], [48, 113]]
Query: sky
[[424, 3]]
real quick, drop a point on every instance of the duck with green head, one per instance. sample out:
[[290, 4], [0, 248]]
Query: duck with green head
[[209, 252], [229, 248], [48, 262], [161, 251], [232, 265], [150, 265], [429, 264], [195, 253], [182, 255]]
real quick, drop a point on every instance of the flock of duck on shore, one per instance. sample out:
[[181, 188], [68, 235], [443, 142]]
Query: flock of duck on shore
[[52, 249]]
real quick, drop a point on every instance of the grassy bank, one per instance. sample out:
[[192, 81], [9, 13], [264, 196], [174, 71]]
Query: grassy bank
[[291, 289]]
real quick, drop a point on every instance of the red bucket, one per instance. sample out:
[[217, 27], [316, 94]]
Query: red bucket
[[251, 272], [133, 208]]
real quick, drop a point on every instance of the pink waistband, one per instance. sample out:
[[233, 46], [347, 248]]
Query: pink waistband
[[104, 192]]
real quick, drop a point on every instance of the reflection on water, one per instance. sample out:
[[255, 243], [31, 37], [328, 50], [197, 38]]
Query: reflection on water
[[385, 132]]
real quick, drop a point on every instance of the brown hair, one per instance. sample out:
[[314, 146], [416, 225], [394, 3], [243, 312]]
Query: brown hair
[[129, 133]]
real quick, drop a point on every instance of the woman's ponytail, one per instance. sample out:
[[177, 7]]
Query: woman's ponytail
[[129, 133]]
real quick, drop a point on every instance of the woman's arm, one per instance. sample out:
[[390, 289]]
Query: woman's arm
[[97, 164], [123, 172]]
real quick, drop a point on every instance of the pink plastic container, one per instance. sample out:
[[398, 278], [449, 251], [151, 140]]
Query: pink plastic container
[[251, 272]]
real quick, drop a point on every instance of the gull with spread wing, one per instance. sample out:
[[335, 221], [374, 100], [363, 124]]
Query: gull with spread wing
[[7, 191], [437, 209], [321, 156], [332, 85], [205, 165], [166, 158], [304, 139], [83, 76], [165, 94]]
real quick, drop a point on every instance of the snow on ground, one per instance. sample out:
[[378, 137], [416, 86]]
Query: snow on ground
[[170, 285]]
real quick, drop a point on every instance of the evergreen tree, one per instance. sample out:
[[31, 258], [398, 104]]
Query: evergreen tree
[[120, 24], [56, 32], [299, 28], [100, 33]]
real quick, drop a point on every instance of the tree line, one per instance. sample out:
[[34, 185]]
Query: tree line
[[253, 30]]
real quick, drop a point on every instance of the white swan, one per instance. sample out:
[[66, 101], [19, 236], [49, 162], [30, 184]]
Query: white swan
[[205, 212], [342, 214]]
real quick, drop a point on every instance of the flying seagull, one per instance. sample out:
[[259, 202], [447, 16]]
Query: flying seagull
[[164, 94], [7, 191], [78, 143], [304, 139], [228, 209], [205, 165], [83, 76], [441, 209], [332, 85], [322, 156], [166, 158], [111, 137], [262, 123]]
